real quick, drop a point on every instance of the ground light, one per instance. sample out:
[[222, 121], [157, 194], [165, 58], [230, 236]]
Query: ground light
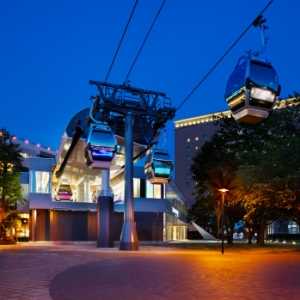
[[223, 191]]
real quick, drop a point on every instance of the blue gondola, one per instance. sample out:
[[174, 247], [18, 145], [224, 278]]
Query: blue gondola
[[158, 166], [252, 90], [100, 147]]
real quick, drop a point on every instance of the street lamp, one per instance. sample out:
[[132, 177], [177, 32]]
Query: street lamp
[[223, 191]]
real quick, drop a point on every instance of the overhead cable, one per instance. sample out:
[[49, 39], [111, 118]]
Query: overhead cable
[[145, 39], [191, 93], [113, 61]]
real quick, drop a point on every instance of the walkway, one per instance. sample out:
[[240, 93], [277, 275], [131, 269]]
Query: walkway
[[85, 272]]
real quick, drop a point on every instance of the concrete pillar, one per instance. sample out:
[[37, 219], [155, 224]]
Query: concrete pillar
[[86, 185], [33, 225], [105, 213]]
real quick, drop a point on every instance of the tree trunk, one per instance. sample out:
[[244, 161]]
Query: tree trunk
[[230, 232], [257, 232], [250, 235], [262, 226]]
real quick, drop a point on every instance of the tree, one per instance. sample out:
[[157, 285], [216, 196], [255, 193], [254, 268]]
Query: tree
[[213, 169], [260, 162], [10, 187], [268, 175]]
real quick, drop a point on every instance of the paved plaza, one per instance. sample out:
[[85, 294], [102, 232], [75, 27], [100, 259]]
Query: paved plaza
[[85, 272]]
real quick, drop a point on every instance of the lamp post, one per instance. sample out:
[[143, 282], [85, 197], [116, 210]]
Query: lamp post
[[223, 191]]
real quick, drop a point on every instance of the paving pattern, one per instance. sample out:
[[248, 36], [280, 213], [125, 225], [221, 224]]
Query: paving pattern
[[84, 272]]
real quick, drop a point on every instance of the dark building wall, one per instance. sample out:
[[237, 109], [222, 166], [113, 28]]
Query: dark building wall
[[43, 225], [149, 225], [188, 140], [92, 226], [82, 226]]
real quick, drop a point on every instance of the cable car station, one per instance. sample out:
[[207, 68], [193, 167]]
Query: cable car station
[[87, 179]]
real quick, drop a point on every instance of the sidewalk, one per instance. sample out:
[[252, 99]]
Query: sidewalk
[[154, 272]]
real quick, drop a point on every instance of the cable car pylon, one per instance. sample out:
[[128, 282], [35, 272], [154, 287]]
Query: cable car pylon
[[151, 110]]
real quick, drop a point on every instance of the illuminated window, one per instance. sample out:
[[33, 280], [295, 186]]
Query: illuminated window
[[9, 166], [25, 155], [188, 139], [196, 138], [149, 190], [153, 190], [119, 191], [136, 187], [188, 148], [157, 191], [197, 147], [40, 182]]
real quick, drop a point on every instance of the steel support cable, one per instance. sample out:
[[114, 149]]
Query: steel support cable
[[113, 61], [191, 93], [138, 54]]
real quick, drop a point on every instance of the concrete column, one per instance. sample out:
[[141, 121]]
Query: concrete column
[[105, 213], [33, 225], [86, 185]]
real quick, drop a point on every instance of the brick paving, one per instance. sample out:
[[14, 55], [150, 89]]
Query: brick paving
[[85, 272]]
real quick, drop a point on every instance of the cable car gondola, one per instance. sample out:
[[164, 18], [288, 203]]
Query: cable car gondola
[[158, 166], [252, 90], [63, 192], [100, 147]]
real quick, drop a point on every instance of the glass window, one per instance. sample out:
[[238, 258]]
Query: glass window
[[188, 157], [188, 148], [196, 138], [188, 175], [149, 190], [263, 75], [188, 139], [40, 182], [197, 147], [188, 184], [157, 191], [188, 167], [136, 187], [102, 138], [205, 137], [119, 191], [236, 81], [153, 190]]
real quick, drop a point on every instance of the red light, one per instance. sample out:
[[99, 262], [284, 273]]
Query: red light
[[14, 137], [1, 133]]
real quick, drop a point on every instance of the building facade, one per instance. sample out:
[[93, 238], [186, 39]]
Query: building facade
[[190, 135]]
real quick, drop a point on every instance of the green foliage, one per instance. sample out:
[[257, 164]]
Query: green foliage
[[259, 164], [10, 187]]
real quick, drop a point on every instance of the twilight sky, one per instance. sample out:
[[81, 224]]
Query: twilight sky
[[51, 49]]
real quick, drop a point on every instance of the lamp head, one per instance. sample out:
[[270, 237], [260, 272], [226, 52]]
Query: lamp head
[[223, 190]]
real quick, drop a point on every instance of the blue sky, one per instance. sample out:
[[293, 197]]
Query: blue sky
[[51, 49]]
